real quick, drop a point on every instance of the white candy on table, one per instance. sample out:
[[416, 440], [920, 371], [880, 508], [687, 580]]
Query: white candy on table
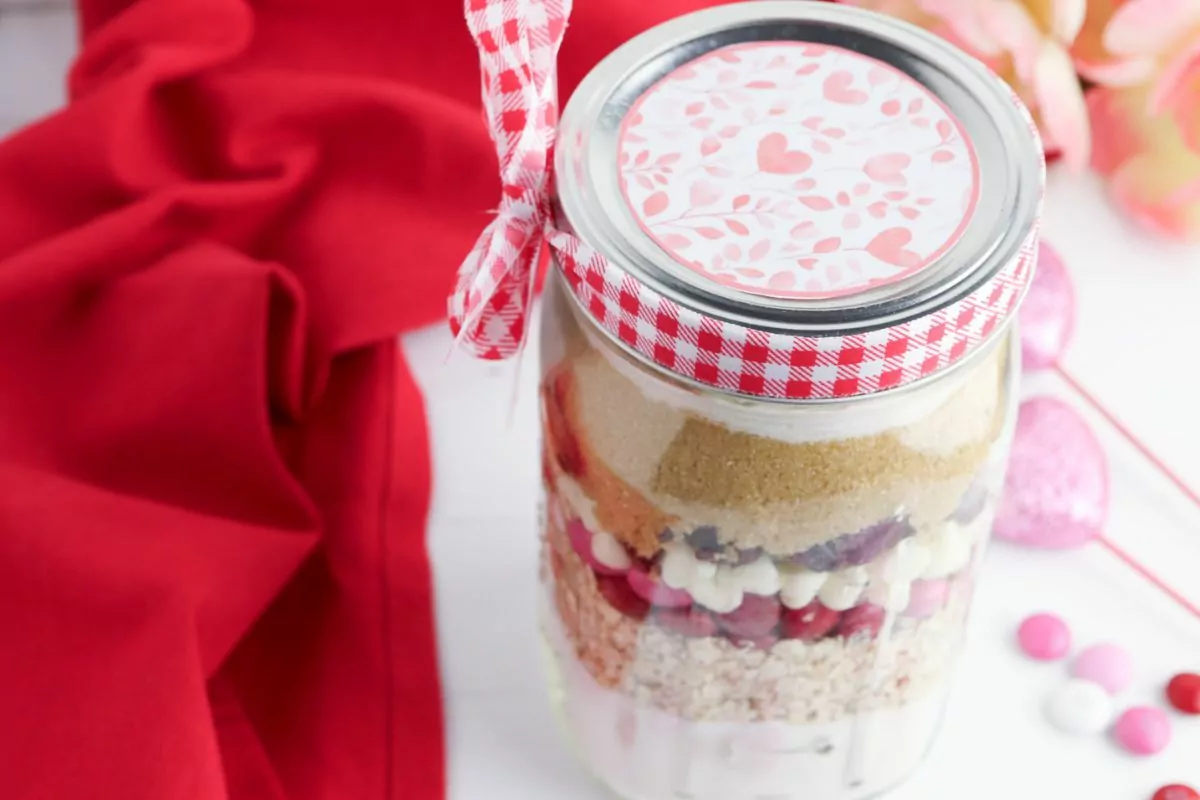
[[1080, 707], [799, 586]]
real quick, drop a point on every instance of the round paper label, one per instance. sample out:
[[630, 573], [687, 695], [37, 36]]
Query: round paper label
[[797, 170]]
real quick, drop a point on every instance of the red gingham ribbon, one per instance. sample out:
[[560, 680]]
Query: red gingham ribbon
[[518, 43]]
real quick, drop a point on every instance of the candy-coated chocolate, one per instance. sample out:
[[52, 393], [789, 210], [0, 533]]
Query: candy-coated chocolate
[[1143, 730], [651, 588], [1080, 707], [1176, 791], [1184, 692], [1105, 664], [927, 597], [1044, 637]]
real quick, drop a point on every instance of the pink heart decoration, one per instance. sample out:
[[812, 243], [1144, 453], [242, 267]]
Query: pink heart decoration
[[1056, 490], [837, 89], [1048, 314], [774, 157], [703, 193], [888, 168], [888, 247]]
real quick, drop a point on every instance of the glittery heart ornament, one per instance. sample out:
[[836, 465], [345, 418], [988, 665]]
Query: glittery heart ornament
[[1047, 316], [1056, 491]]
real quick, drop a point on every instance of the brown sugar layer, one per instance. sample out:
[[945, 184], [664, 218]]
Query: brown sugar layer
[[716, 467], [667, 451], [714, 679]]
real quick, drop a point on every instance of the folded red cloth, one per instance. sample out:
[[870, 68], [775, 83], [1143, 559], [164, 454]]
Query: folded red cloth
[[214, 467]]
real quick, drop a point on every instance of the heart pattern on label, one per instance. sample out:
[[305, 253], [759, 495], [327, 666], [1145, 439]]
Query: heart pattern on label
[[796, 170]]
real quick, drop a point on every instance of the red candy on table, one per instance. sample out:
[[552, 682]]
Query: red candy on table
[[1176, 791], [1184, 692]]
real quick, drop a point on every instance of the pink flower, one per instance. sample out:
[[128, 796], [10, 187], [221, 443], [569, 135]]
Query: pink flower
[[1129, 42], [1146, 113], [1152, 159], [1028, 44]]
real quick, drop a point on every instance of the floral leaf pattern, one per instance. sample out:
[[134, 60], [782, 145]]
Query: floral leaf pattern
[[795, 170]]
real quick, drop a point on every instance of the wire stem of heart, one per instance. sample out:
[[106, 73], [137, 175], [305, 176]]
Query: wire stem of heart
[[1112, 547]]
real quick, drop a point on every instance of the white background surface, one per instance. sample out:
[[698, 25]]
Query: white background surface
[[1136, 349]]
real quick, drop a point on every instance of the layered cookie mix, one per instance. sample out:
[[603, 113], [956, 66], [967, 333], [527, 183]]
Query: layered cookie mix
[[702, 572]]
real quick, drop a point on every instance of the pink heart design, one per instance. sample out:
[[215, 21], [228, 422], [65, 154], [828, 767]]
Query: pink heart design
[[703, 193], [774, 157], [888, 168], [888, 247], [1056, 490], [837, 90], [1048, 314]]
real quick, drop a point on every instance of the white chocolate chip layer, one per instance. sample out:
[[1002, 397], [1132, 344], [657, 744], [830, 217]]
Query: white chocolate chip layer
[[678, 566], [800, 586], [843, 589], [758, 577]]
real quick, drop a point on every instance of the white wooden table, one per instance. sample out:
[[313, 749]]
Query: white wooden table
[[1139, 314]]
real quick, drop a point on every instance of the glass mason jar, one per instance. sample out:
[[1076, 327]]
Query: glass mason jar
[[766, 497]]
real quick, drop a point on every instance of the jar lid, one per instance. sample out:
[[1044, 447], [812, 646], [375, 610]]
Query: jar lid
[[796, 200]]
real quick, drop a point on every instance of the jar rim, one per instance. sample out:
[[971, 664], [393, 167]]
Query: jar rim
[[589, 202]]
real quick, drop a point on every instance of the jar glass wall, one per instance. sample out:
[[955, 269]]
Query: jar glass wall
[[757, 599]]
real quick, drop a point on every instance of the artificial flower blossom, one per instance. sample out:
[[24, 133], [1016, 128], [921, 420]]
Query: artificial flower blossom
[[1145, 112], [1027, 43], [1152, 160]]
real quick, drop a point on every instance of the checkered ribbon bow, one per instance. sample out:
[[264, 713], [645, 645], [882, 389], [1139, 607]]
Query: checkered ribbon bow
[[518, 43]]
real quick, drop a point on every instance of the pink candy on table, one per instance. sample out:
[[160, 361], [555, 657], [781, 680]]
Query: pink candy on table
[[1044, 637], [1105, 664], [1143, 730]]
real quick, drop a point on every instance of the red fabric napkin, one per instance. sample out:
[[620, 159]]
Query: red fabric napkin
[[214, 467]]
